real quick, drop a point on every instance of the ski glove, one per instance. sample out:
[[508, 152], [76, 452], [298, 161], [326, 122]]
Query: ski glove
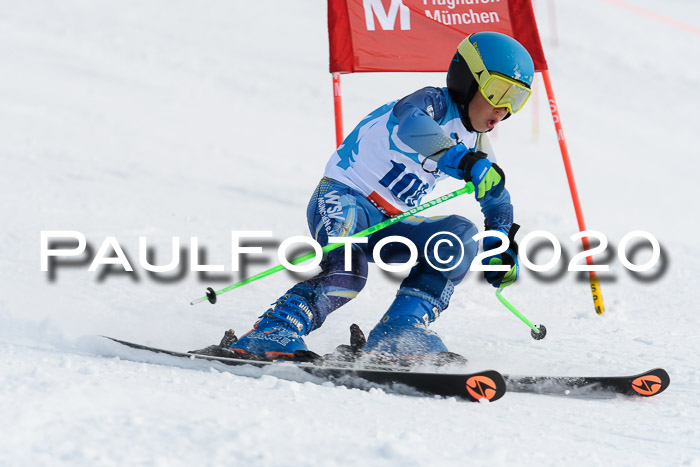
[[500, 279], [474, 167]]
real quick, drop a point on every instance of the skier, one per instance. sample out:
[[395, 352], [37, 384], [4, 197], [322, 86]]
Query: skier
[[384, 167]]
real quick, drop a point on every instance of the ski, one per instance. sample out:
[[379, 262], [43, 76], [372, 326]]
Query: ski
[[474, 386], [486, 385], [647, 384]]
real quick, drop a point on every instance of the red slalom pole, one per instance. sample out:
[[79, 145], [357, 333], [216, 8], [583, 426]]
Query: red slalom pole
[[338, 109], [593, 278]]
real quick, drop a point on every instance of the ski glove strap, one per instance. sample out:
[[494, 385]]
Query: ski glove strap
[[500, 279]]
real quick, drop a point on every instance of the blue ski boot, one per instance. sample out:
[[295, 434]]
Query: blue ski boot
[[278, 332], [403, 330]]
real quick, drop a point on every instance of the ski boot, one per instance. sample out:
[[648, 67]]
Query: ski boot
[[403, 333], [277, 334]]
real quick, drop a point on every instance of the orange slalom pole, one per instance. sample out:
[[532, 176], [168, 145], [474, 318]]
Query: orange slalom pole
[[338, 109], [593, 278]]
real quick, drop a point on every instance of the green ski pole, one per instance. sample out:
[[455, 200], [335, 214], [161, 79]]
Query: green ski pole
[[212, 295], [538, 332]]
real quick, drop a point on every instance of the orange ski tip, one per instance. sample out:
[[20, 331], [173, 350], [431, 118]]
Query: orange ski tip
[[647, 385], [481, 387]]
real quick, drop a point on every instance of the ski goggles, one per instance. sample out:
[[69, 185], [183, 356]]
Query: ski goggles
[[498, 89], [502, 91]]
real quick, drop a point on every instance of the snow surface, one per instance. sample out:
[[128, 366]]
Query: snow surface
[[192, 119]]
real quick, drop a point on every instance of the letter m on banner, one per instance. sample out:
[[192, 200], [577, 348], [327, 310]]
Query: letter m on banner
[[387, 19], [420, 35]]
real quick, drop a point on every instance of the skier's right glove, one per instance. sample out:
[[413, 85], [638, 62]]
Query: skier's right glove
[[500, 279], [474, 167]]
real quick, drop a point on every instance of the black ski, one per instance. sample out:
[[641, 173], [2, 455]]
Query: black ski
[[489, 384], [649, 383]]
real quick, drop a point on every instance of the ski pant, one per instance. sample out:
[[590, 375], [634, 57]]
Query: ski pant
[[336, 210]]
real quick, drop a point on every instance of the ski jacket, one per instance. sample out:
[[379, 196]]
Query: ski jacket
[[384, 157]]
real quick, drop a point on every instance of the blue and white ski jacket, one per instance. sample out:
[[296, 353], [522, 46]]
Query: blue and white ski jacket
[[384, 157]]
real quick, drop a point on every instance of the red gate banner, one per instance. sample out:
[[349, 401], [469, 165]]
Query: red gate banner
[[420, 35]]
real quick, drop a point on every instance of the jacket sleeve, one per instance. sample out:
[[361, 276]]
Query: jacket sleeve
[[417, 115], [498, 211]]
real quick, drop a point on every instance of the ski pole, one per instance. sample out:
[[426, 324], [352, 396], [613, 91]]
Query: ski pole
[[538, 332], [211, 294]]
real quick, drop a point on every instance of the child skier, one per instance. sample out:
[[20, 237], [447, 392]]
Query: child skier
[[386, 165]]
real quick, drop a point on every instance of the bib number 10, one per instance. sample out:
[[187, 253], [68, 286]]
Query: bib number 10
[[407, 187]]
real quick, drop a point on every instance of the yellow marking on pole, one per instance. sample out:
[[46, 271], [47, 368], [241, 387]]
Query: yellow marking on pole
[[597, 295]]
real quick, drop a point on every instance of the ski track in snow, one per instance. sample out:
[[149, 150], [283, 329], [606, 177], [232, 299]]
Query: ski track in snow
[[170, 119]]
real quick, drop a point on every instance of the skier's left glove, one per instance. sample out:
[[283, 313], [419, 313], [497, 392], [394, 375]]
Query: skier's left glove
[[500, 279]]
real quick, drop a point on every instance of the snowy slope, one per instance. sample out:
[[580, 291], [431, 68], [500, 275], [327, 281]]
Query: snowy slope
[[177, 119]]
